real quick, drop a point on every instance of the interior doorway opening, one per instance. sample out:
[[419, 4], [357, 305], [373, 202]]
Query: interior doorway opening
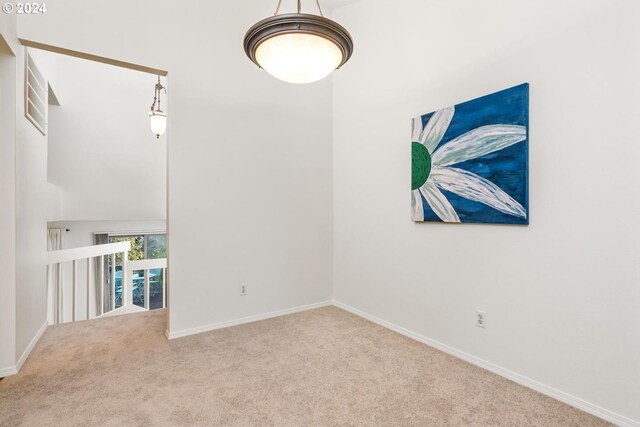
[[107, 179]]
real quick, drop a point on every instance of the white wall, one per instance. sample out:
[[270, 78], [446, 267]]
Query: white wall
[[49, 65], [7, 203], [249, 157], [31, 221], [562, 294], [54, 202], [102, 154], [27, 187], [23, 196]]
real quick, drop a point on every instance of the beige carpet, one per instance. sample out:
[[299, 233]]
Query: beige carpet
[[321, 367]]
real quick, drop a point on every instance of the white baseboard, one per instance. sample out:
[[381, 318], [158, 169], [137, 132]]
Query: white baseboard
[[12, 370], [5, 372], [513, 376], [31, 345], [186, 332]]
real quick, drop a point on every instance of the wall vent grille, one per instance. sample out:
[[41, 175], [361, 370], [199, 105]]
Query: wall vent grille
[[36, 96]]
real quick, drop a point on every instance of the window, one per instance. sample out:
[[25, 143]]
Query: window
[[143, 246]]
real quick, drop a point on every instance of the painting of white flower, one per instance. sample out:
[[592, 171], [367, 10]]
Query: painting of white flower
[[470, 161]]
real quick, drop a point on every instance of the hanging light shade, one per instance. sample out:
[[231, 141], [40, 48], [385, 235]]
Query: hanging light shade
[[158, 122], [298, 47], [156, 115]]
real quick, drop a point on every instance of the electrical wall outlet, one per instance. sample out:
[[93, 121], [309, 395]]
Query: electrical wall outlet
[[243, 290], [481, 319]]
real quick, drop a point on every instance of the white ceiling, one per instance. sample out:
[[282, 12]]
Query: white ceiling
[[288, 6], [330, 4]]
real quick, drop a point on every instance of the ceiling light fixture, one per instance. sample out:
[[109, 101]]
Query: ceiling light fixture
[[298, 47], [157, 116]]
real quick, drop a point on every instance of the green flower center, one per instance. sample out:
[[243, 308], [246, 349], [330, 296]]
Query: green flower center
[[420, 165]]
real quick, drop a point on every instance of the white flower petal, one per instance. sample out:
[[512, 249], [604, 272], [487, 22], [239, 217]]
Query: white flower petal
[[436, 128], [416, 125], [439, 203], [473, 187], [478, 142], [417, 212]]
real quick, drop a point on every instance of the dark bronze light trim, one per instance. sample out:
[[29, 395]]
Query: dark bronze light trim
[[298, 23]]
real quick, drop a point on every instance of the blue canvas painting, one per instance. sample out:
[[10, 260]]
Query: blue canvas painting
[[470, 162]]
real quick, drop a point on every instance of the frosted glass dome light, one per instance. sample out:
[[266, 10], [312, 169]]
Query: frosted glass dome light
[[298, 47], [158, 122], [299, 58]]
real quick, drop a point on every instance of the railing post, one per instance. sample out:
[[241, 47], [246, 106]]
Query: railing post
[[146, 288], [164, 288], [113, 281], [127, 288], [88, 288], [60, 295], [50, 309], [101, 284], [74, 290]]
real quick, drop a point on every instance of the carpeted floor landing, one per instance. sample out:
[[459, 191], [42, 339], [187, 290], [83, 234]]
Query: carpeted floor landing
[[322, 367]]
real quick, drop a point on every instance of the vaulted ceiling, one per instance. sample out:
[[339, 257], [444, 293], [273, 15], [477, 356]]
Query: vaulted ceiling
[[331, 4]]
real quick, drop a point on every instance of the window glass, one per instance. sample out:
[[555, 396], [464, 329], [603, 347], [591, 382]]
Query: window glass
[[137, 247], [156, 246]]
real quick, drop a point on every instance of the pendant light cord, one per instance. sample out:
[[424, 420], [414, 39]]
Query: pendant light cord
[[155, 98], [299, 7], [156, 95]]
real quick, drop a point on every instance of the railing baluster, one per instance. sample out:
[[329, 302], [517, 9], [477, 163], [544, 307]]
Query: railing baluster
[[59, 300], [88, 288], [74, 290], [164, 288], [49, 292], [127, 291], [146, 288], [113, 281], [101, 284]]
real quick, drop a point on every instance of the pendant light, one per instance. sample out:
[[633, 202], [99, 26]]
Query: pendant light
[[157, 116], [298, 47]]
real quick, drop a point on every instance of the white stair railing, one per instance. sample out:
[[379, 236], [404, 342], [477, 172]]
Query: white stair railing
[[74, 255], [103, 254], [146, 266]]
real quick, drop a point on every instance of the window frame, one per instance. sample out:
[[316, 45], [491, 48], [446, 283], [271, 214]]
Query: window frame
[[145, 238]]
